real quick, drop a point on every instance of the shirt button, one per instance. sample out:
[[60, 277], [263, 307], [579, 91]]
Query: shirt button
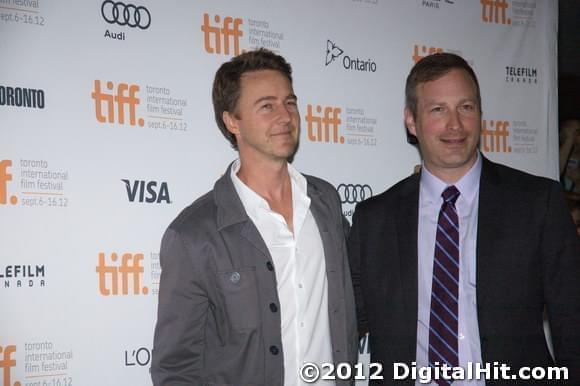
[[270, 266], [274, 350], [300, 285], [461, 336], [301, 324], [273, 307]]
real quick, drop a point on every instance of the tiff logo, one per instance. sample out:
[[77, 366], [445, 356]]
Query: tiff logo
[[214, 36], [6, 363], [125, 95], [497, 132], [494, 11], [5, 177], [420, 53], [148, 191], [324, 128], [111, 274]]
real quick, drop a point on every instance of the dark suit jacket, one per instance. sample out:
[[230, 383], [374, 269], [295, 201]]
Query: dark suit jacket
[[215, 323], [528, 258]]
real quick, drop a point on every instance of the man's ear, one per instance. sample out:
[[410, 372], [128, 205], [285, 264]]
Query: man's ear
[[410, 122], [231, 122]]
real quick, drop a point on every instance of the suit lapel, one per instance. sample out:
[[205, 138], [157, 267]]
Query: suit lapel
[[407, 220], [320, 212], [490, 209], [230, 211]]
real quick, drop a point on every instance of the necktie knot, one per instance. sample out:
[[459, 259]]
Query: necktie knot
[[450, 194]]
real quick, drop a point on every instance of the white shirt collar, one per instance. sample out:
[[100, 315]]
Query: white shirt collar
[[252, 201], [468, 185]]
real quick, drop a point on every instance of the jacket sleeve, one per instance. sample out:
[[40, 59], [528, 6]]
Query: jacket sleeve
[[561, 270], [183, 307]]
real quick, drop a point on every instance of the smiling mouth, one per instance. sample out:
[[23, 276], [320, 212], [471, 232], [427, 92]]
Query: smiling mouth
[[453, 141], [289, 132]]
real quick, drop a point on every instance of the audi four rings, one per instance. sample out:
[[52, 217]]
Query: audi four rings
[[125, 14], [353, 193]]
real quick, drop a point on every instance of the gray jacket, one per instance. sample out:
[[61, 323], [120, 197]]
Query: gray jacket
[[215, 325]]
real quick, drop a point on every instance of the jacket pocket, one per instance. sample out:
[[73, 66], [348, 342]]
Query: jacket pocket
[[239, 292]]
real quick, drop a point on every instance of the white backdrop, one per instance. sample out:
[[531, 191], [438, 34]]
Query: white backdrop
[[107, 132]]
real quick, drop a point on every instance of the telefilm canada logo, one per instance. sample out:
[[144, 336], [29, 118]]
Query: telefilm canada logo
[[23, 276], [521, 75], [335, 53]]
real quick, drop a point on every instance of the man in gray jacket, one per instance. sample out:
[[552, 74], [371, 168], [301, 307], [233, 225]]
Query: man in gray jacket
[[255, 281]]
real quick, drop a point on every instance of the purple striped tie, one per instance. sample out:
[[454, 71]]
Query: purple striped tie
[[443, 343]]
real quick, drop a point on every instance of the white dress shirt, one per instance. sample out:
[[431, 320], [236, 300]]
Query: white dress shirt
[[300, 269], [430, 201]]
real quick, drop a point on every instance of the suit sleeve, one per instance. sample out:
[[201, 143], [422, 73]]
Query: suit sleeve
[[354, 256], [183, 307], [561, 260]]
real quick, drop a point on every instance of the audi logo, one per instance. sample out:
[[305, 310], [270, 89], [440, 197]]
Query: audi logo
[[353, 193], [125, 14]]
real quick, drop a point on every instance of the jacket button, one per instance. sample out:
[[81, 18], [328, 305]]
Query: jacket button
[[270, 266], [273, 307], [274, 350]]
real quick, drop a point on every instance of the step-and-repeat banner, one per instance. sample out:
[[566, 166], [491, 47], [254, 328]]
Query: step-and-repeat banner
[[107, 132]]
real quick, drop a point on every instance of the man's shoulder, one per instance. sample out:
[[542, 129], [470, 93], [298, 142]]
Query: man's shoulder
[[320, 184], [392, 196], [508, 178], [197, 213]]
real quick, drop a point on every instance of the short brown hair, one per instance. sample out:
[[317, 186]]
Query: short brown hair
[[226, 84], [433, 67]]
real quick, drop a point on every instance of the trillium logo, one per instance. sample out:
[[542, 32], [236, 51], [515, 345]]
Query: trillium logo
[[349, 63], [332, 52]]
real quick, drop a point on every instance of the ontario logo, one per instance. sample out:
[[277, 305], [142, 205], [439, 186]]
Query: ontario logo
[[334, 53]]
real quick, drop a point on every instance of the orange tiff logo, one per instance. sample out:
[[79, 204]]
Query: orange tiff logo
[[216, 39], [494, 136], [5, 177], [494, 11], [106, 104], [7, 363], [420, 53], [324, 128], [113, 276]]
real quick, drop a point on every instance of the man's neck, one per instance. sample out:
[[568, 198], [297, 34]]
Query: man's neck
[[271, 181]]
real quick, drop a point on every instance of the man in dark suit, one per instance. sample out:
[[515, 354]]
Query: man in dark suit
[[458, 263], [255, 278]]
